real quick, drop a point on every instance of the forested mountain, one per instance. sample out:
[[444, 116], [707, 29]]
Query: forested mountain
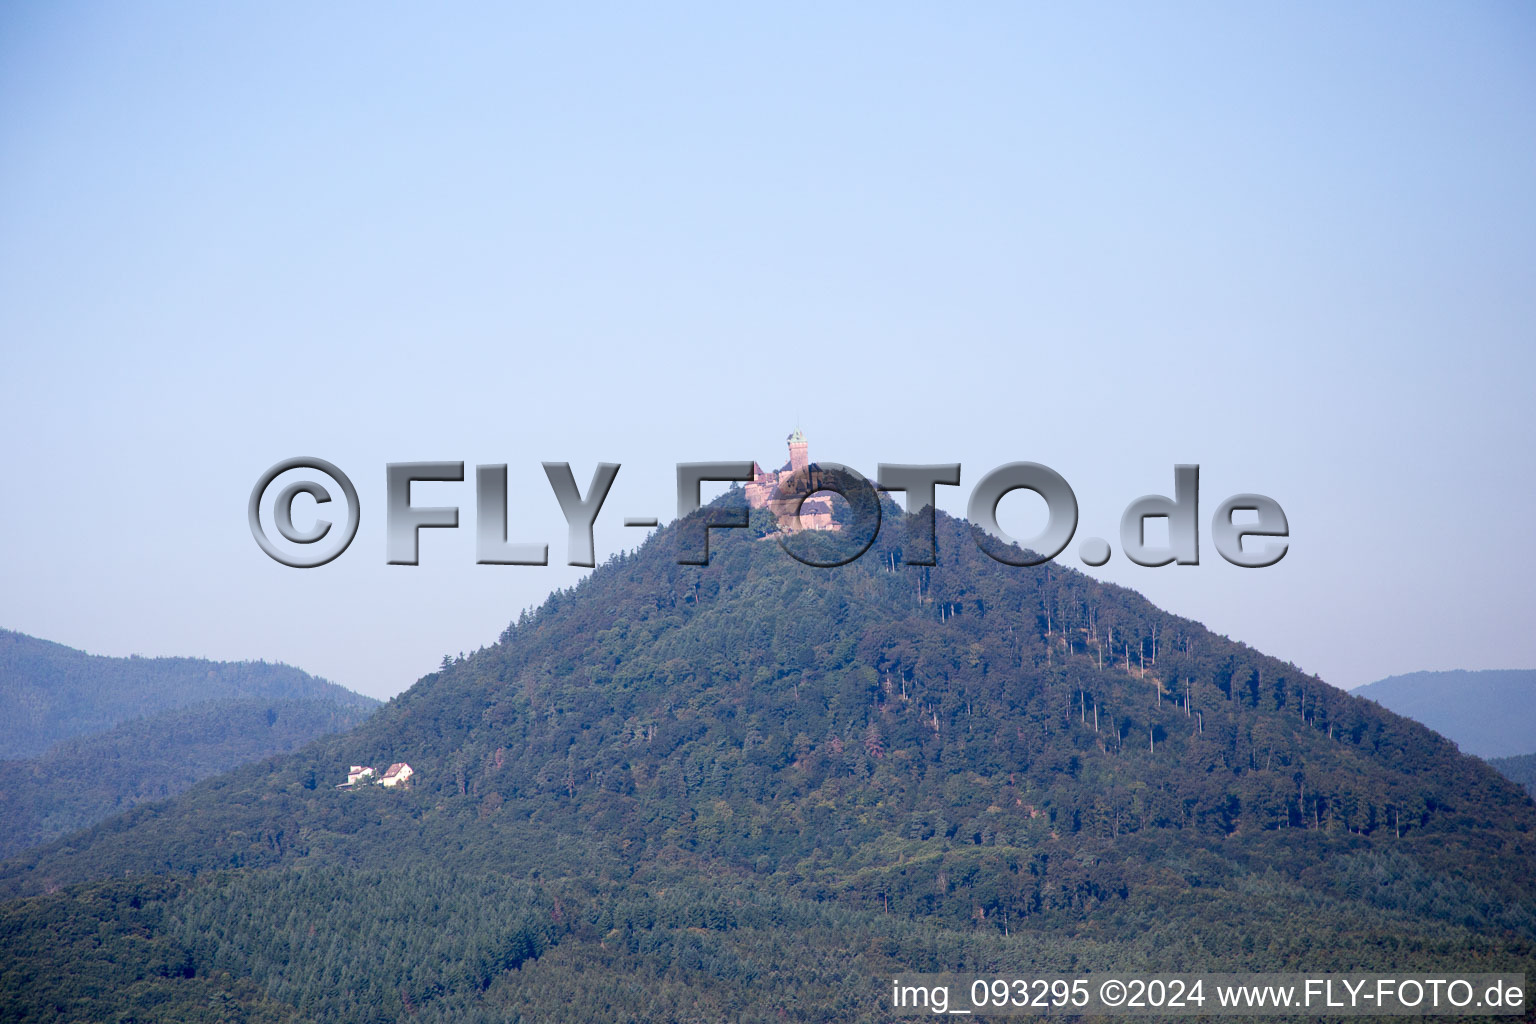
[[743, 791], [1490, 713], [80, 781], [49, 692], [1521, 769]]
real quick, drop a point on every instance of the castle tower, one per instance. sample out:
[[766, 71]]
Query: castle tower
[[798, 459]]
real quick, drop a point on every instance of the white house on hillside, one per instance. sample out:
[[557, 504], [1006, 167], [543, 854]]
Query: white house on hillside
[[358, 773], [398, 773]]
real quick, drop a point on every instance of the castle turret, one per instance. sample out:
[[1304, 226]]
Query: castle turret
[[798, 458]]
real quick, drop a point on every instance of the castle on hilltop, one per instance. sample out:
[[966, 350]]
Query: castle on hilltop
[[764, 491]]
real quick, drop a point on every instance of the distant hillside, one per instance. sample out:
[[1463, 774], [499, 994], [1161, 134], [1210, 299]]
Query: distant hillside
[[1490, 714], [49, 692], [1521, 769], [81, 781]]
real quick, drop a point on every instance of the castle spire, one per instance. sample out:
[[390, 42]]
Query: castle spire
[[798, 456]]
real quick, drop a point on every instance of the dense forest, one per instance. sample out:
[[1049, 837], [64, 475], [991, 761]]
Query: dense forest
[[746, 790], [80, 781], [49, 692]]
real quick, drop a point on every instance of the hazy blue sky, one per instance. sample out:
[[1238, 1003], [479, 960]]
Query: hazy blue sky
[[1293, 243]]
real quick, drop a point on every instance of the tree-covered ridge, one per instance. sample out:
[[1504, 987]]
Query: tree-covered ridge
[[83, 780], [958, 701], [49, 692], [959, 765]]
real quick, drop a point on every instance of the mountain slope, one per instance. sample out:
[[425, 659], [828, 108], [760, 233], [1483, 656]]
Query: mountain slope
[[83, 780], [49, 692], [744, 786], [1490, 713]]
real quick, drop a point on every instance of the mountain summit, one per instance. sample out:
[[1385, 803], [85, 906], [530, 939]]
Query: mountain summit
[[735, 789]]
